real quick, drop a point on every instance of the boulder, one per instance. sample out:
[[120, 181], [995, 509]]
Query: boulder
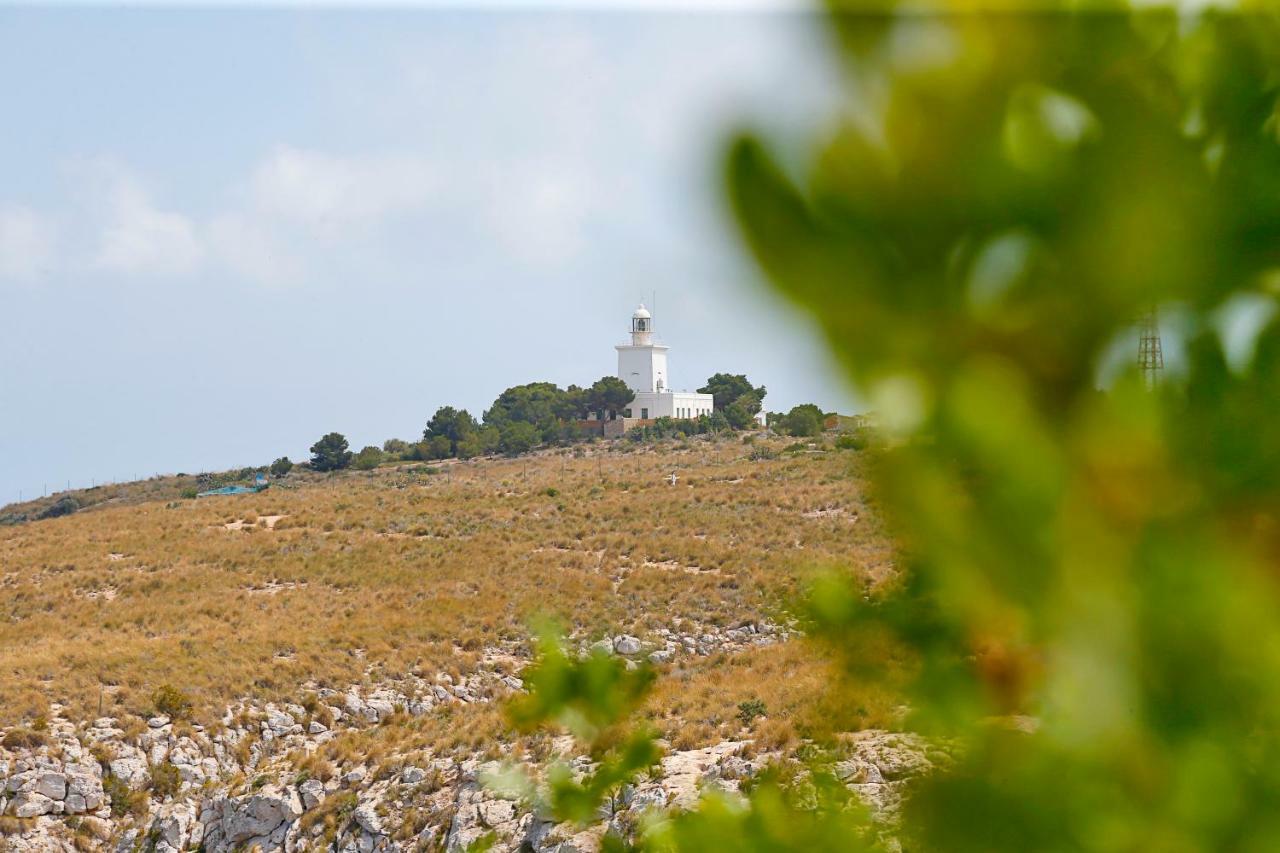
[[378, 709], [627, 645], [258, 816], [31, 804], [84, 793], [278, 722], [496, 812], [312, 793], [51, 785], [176, 828], [367, 817], [133, 771]]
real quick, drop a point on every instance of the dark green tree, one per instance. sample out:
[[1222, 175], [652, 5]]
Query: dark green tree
[[609, 395], [330, 453], [728, 387], [281, 467], [453, 424], [802, 421], [440, 447], [539, 403], [741, 413], [483, 441], [519, 437]]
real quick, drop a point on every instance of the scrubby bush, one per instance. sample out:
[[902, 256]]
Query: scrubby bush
[[166, 780], [64, 505], [124, 800], [856, 440], [171, 702], [281, 467], [749, 709], [368, 458]]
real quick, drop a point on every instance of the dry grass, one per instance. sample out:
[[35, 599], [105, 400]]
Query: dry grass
[[698, 703], [379, 574]]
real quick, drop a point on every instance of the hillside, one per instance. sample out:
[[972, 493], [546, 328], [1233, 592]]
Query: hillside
[[414, 588]]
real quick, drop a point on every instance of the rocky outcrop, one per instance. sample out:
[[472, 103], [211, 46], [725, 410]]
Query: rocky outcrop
[[262, 820], [234, 788]]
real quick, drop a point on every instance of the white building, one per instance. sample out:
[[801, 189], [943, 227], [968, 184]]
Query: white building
[[642, 364]]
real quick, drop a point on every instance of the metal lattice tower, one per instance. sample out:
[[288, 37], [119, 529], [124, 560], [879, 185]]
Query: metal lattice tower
[[1150, 354]]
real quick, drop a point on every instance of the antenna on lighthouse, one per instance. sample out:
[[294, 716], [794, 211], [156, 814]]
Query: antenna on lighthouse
[[1150, 353]]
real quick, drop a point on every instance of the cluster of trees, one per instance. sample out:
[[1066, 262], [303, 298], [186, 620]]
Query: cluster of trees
[[804, 420], [526, 416], [735, 398]]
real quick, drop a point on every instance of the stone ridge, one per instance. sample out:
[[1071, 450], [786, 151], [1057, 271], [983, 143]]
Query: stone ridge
[[58, 796]]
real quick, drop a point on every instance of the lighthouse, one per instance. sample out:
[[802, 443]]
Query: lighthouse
[[642, 365]]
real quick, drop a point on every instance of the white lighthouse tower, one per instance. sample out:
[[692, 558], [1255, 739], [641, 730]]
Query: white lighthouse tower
[[642, 365]]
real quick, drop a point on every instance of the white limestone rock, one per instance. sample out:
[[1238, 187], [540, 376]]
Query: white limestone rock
[[312, 793], [177, 828], [31, 804], [366, 816], [259, 816], [496, 812], [627, 645], [51, 785]]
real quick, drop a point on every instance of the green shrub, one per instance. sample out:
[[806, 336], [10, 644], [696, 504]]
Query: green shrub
[[851, 441], [368, 458], [749, 709], [171, 702], [123, 799], [166, 780], [64, 505]]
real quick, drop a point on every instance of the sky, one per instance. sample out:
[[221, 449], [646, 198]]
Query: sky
[[226, 231]]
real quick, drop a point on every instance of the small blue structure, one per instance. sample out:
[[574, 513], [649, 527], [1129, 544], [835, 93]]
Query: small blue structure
[[259, 484]]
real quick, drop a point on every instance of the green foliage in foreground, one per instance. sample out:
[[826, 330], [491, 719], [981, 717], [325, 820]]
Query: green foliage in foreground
[[978, 248], [594, 698]]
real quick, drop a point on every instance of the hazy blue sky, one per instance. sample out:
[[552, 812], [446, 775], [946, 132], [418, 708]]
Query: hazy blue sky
[[226, 232]]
